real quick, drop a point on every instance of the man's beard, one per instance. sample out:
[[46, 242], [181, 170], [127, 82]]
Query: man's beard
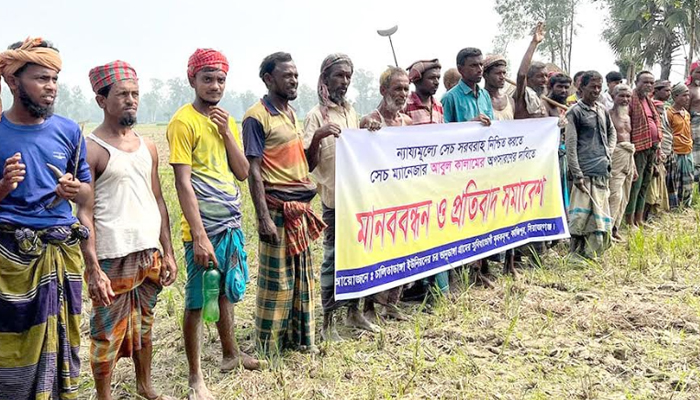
[[538, 90], [127, 120], [35, 110], [623, 110], [338, 98], [394, 105], [561, 99], [209, 103]]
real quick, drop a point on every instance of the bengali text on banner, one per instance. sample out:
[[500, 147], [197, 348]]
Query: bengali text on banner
[[414, 201]]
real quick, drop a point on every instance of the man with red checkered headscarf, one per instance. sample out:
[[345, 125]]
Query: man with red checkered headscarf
[[130, 256], [206, 154]]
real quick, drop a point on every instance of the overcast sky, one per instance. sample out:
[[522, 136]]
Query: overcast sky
[[157, 36]]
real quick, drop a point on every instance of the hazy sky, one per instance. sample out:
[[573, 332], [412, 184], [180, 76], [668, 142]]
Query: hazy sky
[[157, 36]]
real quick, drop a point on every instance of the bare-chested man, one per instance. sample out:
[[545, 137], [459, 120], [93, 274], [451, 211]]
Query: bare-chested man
[[495, 68], [693, 83], [624, 171]]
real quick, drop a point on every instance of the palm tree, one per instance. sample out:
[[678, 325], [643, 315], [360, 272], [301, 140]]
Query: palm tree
[[649, 31]]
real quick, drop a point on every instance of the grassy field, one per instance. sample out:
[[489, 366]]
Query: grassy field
[[625, 328]]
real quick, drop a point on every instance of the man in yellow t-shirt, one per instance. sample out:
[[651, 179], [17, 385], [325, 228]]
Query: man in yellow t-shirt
[[207, 157]]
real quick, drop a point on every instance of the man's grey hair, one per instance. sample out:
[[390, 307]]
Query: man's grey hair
[[621, 88]]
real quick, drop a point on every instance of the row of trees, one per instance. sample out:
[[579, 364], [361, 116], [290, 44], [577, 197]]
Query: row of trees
[[642, 33], [164, 98]]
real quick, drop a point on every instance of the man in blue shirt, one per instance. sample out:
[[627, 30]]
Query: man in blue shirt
[[40, 260], [467, 101]]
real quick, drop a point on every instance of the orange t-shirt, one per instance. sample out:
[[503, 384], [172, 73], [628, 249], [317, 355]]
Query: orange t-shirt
[[679, 121]]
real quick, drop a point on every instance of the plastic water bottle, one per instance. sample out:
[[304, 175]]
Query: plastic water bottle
[[211, 282]]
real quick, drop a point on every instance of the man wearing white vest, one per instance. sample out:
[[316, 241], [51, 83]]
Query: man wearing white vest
[[132, 233]]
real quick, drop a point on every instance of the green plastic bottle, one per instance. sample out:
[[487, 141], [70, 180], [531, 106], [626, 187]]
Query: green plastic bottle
[[210, 288]]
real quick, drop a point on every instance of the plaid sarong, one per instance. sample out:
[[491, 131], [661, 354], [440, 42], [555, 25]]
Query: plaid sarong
[[589, 215], [284, 314], [684, 178], [125, 326], [40, 304], [301, 225], [695, 128]]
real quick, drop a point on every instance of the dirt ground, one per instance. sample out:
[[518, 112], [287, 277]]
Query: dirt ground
[[624, 328]]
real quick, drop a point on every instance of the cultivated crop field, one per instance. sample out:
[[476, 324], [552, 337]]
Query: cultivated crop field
[[627, 328]]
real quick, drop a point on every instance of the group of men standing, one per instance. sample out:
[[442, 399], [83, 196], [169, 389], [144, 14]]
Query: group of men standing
[[122, 231], [612, 146]]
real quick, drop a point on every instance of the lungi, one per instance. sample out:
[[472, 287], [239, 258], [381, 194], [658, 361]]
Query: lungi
[[590, 223], [684, 178], [125, 326], [40, 304], [623, 170], [657, 195], [284, 315], [229, 247]]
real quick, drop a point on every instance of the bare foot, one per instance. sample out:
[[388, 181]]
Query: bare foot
[[330, 334], [198, 390], [480, 279], [357, 320], [372, 316], [150, 394], [242, 360], [393, 312], [616, 237], [509, 269]]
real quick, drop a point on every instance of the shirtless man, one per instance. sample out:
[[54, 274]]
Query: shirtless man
[[495, 68], [624, 171], [694, 108]]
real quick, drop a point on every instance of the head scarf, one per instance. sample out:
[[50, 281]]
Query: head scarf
[[693, 67], [678, 88], [203, 58], [418, 68], [111, 73], [29, 52], [492, 59], [661, 83], [323, 94]]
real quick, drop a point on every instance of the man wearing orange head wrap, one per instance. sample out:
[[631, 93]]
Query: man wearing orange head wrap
[[40, 262], [206, 154]]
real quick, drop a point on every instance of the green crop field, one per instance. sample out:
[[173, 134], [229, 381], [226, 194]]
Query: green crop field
[[625, 328]]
